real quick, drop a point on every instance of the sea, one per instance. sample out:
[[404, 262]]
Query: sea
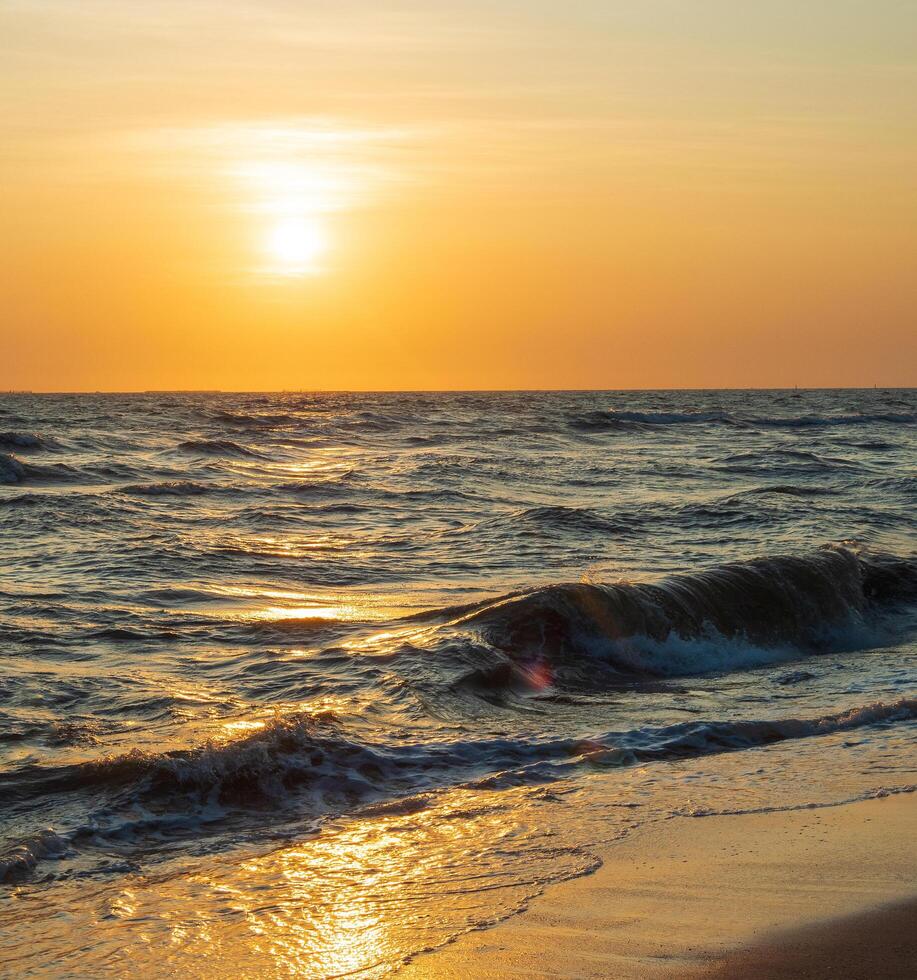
[[308, 684]]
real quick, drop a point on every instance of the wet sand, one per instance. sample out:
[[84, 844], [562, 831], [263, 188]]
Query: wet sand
[[814, 893], [876, 945]]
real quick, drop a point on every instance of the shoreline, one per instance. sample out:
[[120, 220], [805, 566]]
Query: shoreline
[[800, 893]]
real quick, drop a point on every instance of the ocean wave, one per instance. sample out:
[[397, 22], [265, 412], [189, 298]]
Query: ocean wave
[[787, 490], [302, 753], [169, 488], [22, 499], [375, 421], [822, 421], [704, 738], [899, 484], [727, 617], [217, 447], [611, 421], [261, 766], [690, 740], [775, 460], [22, 859], [607, 420], [540, 521], [55, 733], [257, 421], [25, 440], [12, 470], [573, 518], [301, 761]]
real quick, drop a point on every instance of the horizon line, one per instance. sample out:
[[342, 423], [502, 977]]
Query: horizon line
[[436, 391]]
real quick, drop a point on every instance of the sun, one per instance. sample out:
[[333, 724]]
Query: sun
[[296, 244]]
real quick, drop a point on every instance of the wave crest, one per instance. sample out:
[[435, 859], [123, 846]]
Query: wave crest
[[11, 469], [616, 421], [726, 617], [178, 790], [217, 447], [24, 440], [170, 488]]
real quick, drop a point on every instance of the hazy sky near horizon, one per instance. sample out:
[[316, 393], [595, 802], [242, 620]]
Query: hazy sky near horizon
[[261, 194]]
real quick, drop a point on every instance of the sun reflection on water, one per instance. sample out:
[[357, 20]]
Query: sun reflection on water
[[367, 893], [279, 605], [357, 899], [333, 613]]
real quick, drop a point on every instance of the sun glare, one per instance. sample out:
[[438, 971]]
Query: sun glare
[[296, 244], [296, 177], [296, 200]]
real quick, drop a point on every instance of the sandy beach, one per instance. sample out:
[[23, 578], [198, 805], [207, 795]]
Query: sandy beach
[[803, 893]]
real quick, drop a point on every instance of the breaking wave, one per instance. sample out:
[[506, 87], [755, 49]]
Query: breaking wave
[[308, 754], [727, 617], [20, 860]]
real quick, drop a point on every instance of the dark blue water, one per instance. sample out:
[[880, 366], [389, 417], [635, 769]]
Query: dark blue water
[[239, 627]]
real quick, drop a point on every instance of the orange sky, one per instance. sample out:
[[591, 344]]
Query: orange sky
[[457, 194]]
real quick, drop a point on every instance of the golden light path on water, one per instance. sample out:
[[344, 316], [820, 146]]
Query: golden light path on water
[[356, 898], [273, 605], [359, 898]]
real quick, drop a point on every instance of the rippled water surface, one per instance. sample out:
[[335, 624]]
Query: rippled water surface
[[306, 684]]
